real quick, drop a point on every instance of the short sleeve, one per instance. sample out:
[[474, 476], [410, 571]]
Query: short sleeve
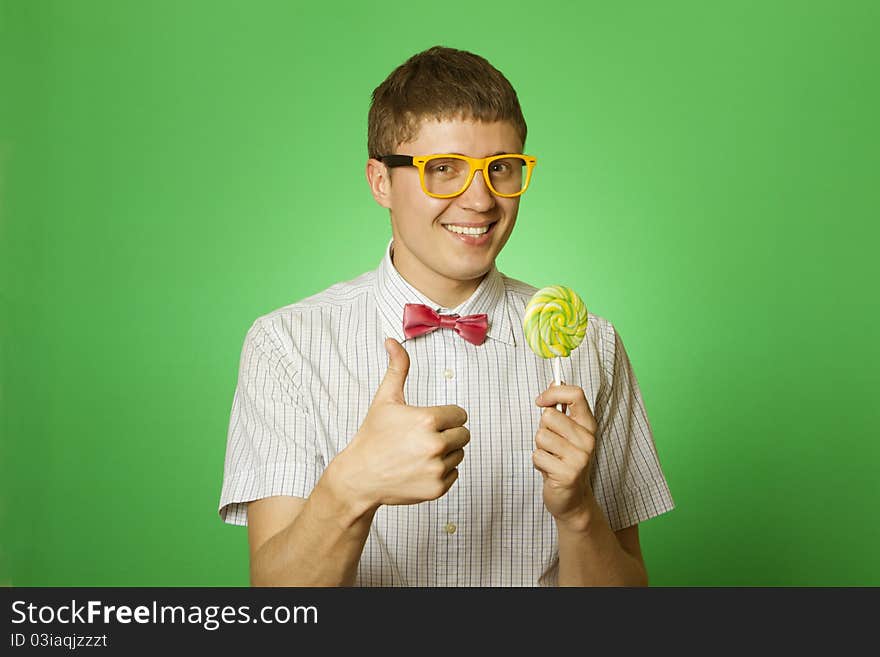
[[627, 480], [271, 446]]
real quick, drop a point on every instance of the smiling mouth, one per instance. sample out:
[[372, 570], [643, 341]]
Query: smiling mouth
[[476, 231]]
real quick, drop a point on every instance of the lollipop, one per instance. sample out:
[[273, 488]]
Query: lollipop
[[555, 324]]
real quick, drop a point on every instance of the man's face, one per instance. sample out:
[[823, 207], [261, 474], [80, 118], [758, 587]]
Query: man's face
[[422, 243]]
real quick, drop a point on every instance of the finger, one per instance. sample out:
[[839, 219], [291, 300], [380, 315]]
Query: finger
[[391, 387], [574, 397], [452, 459], [560, 447], [450, 478], [456, 438], [560, 406], [448, 416], [547, 463], [568, 428]]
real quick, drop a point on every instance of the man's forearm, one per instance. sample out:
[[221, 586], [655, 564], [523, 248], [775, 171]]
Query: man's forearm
[[321, 547], [591, 555]]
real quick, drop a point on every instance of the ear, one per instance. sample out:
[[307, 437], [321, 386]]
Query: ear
[[378, 177]]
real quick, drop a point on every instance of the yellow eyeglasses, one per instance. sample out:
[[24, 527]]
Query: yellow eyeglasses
[[447, 175]]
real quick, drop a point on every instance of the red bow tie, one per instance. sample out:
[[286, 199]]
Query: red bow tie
[[419, 319]]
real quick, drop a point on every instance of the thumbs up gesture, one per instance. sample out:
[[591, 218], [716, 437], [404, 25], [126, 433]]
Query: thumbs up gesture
[[403, 454]]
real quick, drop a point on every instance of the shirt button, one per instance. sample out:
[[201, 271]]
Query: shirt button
[[450, 528], [448, 373]]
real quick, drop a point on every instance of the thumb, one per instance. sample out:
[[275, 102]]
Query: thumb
[[391, 388]]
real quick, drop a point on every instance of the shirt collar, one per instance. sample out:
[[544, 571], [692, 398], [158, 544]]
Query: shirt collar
[[393, 292]]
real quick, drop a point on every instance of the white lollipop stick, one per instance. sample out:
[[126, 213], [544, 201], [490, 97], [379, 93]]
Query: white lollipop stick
[[557, 380]]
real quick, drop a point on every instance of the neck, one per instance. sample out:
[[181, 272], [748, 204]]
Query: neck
[[445, 292]]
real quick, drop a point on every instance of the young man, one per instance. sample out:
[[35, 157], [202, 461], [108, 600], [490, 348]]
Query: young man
[[377, 443]]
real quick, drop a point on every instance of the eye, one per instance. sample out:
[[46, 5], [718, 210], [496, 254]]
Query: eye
[[444, 167]]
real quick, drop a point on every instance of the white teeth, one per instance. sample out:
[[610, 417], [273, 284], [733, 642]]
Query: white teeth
[[467, 231]]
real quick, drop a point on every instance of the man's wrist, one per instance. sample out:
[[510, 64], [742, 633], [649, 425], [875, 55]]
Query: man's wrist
[[581, 519], [340, 485]]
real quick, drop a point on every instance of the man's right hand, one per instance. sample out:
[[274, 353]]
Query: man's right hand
[[402, 454]]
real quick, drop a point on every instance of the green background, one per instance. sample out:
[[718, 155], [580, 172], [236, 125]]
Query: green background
[[707, 180]]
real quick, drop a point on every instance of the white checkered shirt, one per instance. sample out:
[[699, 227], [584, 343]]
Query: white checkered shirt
[[307, 376]]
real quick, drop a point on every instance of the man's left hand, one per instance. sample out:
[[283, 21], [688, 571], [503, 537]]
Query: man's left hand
[[564, 450]]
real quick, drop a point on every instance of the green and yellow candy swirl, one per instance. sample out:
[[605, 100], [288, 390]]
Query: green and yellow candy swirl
[[555, 321]]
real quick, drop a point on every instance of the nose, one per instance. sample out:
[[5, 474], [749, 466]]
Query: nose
[[478, 197]]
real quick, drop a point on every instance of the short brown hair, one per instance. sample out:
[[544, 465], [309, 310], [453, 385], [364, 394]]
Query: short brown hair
[[439, 83]]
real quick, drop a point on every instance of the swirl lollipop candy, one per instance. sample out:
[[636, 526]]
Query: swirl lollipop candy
[[555, 323]]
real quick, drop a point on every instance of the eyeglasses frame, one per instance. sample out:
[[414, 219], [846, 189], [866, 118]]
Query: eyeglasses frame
[[475, 163]]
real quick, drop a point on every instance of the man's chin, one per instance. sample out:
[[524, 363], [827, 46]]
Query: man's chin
[[464, 274]]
